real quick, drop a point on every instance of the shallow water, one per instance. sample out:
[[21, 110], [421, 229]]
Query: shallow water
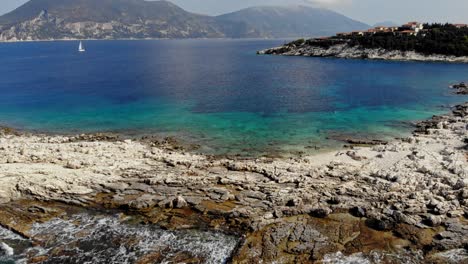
[[96, 239], [217, 93], [104, 239]]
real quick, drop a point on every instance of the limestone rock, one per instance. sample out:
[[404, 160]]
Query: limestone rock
[[180, 202]]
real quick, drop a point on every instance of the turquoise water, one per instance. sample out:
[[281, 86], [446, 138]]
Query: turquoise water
[[217, 93]]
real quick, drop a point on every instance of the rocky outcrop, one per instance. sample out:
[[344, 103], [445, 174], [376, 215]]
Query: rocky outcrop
[[289, 210], [343, 50], [461, 88]]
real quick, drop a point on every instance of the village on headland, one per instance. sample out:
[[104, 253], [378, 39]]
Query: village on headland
[[413, 28], [413, 41]]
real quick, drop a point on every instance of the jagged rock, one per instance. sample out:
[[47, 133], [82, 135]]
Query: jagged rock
[[40, 209], [6, 250], [73, 164], [254, 195], [180, 202], [354, 156], [334, 200], [320, 212], [358, 211], [141, 187], [167, 203], [295, 202], [380, 224], [145, 201], [434, 221]]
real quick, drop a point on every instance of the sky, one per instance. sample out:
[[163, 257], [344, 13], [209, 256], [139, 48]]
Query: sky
[[368, 11]]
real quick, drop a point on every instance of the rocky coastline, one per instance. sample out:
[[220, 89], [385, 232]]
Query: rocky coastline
[[406, 198], [345, 51]]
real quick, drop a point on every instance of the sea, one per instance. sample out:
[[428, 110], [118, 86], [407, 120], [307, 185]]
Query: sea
[[218, 95]]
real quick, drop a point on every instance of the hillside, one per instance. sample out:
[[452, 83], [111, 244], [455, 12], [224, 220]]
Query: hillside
[[111, 19], [444, 39], [139, 19], [128, 11], [295, 21]]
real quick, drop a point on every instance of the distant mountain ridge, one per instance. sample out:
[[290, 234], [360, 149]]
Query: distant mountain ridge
[[111, 19], [139, 19], [295, 21]]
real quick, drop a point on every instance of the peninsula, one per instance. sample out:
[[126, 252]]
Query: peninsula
[[413, 41]]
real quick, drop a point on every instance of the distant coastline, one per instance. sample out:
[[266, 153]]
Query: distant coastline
[[161, 19], [129, 39]]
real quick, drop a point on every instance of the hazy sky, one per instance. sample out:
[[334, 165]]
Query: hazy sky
[[369, 11]]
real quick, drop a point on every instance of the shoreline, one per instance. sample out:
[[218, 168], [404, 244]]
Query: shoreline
[[412, 192], [344, 51], [338, 140], [341, 140]]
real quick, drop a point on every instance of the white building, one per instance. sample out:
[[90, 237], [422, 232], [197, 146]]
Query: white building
[[415, 26]]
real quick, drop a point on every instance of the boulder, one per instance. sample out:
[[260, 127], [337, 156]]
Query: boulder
[[433, 220], [73, 165], [320, 212], [358, 211], [179, 202]]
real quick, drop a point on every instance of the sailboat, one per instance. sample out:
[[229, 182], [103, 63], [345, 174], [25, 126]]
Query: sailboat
[[81, 48]]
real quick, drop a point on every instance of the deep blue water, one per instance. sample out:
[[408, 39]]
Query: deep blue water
[[218, 93]]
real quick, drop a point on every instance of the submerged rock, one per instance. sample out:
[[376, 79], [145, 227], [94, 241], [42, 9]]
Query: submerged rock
[[6, 250]]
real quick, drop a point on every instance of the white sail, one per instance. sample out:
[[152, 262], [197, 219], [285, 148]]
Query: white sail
[[81, 48]]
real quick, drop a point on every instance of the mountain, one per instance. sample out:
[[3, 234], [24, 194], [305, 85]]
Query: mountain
[[386, 24], [117, 19], [111, 19], [294, 21]]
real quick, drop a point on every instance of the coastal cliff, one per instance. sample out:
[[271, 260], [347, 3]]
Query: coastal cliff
[[346, 51], [405, 199]]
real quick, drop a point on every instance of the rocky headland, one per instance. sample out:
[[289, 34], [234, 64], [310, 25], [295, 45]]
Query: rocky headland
[[402, 199], [346, 51], [413, 41]]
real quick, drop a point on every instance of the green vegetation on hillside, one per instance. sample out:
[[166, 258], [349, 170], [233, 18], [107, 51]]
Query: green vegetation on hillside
[[436, 39], [445, 39]]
